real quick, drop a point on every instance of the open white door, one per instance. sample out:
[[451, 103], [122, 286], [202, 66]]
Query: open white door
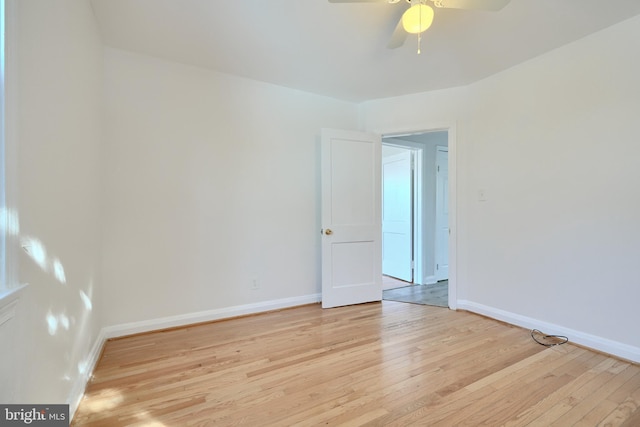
[[397, 218], [351, 218]]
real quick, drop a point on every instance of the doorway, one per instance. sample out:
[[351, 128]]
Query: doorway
[[417, 194]]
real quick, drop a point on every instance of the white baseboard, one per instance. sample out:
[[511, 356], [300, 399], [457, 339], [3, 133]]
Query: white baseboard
[[206, 316], [429, 280], [604, 345], [80, 384]]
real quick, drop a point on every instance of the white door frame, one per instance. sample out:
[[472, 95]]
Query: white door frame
[[450, 128]]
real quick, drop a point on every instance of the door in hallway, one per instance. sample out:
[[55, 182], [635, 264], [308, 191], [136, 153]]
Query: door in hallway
[[397, 216], [442, 213]]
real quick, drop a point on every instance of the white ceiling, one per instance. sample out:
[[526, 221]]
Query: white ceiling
[[339, 50]]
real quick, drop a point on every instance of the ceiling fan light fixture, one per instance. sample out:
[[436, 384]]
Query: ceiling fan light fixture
[[417, 18]]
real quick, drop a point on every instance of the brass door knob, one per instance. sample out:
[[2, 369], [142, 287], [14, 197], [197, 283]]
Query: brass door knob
[[328, 232]]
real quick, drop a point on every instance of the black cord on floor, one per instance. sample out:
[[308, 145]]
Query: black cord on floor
[[556, 339]]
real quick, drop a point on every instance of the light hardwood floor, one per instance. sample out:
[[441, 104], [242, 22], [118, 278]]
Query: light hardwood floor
[[379, 364]]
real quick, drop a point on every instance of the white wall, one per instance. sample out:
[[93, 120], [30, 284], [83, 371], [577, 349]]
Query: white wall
[[56, 100], [212, 180], [553, 142]]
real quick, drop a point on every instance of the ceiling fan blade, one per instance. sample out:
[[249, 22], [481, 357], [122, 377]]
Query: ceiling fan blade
[[493, 5], [398, 37]]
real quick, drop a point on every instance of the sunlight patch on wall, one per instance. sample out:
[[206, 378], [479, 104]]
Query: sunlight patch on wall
[[54, 322], [83, 367], [36, 250], [9, 222], [58, 271], [86, 300], [38, 253]]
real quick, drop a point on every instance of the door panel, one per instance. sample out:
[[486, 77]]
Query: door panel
[[442, 214], [351, 218], [397, 209], [350, 263]]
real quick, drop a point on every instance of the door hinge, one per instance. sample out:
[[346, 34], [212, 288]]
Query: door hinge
[[438, 168], [437, 266], [413, 264]]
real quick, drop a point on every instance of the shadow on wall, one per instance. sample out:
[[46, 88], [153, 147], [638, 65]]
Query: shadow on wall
[[56, 320]]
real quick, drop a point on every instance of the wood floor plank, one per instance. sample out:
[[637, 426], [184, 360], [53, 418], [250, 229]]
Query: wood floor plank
[[379, 364], [627, 410], [604, 407], [607, 379]]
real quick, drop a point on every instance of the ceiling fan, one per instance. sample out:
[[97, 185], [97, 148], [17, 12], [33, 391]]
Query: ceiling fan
[[419, 16]]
